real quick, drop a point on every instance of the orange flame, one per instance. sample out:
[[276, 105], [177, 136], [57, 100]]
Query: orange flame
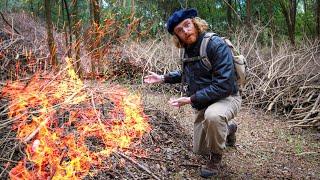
[[63, 115]]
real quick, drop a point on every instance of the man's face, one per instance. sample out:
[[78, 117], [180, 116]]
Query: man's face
[[186, 31]]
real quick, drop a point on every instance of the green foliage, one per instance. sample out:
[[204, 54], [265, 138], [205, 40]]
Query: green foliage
[[152, 15]]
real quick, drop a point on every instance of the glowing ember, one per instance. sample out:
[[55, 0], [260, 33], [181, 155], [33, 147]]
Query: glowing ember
[[58, 117]]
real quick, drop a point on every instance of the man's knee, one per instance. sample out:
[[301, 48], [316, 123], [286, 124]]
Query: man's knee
[[214, 118]]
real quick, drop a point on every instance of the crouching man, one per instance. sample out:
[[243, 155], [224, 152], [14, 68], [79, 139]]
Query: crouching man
[[213, 91]]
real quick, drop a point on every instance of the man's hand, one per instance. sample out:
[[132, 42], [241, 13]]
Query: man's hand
[[153, 78], [180, 101]]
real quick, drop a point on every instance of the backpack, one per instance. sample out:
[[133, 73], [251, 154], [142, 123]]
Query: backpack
[[239, 60]]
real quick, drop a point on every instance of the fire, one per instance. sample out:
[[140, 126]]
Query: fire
[[57, 117]]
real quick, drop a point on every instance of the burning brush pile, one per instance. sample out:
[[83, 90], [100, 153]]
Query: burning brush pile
[[65, 128], [54, 126]]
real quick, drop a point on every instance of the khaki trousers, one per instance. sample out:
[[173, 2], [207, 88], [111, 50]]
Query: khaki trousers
[[210, 125]]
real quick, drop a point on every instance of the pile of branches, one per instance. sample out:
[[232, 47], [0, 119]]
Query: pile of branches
[[16, 60], [166, 151], [286, 82], [22, 50]]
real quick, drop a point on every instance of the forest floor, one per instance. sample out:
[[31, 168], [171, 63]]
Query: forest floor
[[266, 147]]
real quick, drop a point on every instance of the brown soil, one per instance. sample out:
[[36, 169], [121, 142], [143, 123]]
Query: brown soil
[[266, 147]]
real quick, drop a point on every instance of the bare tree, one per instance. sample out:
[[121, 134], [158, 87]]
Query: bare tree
[[271, 13], [289, 10], [69, 45], [132, 7], [50, 39], [248, 11], [95, 41], [318, 17], [76, 27], [229, 13], [95, 10]]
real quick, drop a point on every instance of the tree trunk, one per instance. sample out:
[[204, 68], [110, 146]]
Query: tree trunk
[[305, 16], [132, 8], [248, 11], [229, 13], [318, 17], [50, 39], [69, 27], [76, 27], [270, 12], [289, 11], [95, 42], [31, 7], [96, 11], [64, 26]]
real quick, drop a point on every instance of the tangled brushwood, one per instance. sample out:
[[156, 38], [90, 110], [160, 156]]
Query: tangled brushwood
[[286, 81], [282, 79]]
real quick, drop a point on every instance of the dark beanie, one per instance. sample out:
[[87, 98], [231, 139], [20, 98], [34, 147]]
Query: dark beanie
[[179, 16]]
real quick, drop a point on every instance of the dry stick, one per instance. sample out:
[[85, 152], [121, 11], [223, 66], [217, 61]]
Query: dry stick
[[313, 120], [28, 138], [8, 160], [191, 165], [310, 112], [5, 124], [310, 87], [149, 158], [97, 114], [5, 169], [130, 173], [274, 101], [307, 153], [149, 60], [127, 169], [139, 165], [235, 12], [5, 20]]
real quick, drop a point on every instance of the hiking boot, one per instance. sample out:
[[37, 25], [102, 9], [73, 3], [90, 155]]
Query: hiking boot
[[231, 137], [212, 167]]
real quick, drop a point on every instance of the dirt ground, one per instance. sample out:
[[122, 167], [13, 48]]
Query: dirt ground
[[266, 147]]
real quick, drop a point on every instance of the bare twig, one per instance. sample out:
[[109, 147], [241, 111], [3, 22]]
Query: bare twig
[[139, 165], [315, 106], [5, 20]]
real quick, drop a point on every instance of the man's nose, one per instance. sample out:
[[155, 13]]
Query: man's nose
[[184, 30]]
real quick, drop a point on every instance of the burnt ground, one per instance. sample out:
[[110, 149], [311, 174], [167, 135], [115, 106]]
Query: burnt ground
[[266, 148]]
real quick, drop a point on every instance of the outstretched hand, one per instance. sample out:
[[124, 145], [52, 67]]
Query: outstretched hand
[[153, 78], [180, 101]]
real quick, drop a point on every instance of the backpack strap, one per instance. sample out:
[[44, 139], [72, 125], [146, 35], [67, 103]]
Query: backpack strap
[[181, 51], [204, 43], [203, 49]]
